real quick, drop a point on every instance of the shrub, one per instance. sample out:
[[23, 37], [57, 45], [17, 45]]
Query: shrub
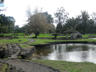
[[1, 35]]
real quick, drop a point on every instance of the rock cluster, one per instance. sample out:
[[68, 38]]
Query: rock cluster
[[14, 50]]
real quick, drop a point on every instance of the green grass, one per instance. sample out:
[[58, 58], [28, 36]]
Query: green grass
[[47, 36], [65, 66], [50, 35], [42, 41], [3, 67], [25, 46], [86, 35], [45, 41], [5, 41]]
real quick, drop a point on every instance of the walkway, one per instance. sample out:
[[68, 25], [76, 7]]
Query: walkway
[[30, 41], [30, 66]]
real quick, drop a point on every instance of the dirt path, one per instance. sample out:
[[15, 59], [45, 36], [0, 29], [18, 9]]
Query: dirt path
[[30, 66], [30, 41]]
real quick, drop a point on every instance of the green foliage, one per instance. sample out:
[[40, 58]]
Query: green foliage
[[19, 57], [1, 35], [17, 29], [49, 18], [6, 23], [25, 46], [3, 29], [81, 23]]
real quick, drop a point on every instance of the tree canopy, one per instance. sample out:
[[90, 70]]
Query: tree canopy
[[6, 24], [39, 22]]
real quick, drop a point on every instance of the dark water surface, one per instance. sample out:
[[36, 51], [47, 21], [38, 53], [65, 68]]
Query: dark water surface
[[69, 52]]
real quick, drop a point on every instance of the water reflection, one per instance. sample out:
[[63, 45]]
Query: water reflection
[[69, 52]]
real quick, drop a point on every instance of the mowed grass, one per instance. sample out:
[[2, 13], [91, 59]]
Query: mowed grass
[[45, 41], [65, 66], [50, 35], [5, 41], [86, 35], [41, 41], [25, 46], [47, 36]]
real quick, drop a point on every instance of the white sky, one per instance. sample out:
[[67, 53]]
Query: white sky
[[17, 8]]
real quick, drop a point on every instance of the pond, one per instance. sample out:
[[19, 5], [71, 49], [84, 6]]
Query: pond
[[68, 52]]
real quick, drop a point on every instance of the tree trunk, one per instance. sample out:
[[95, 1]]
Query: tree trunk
[[35, 35], [55, 36]]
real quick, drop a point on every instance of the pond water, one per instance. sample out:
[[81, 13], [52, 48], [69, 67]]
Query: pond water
[[69, 52]]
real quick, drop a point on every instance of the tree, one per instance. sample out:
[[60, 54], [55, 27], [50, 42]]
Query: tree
[[51, 28], [70, 23], [49, 18], [7, 22], [61, 16], [85, 17], [82, 22], [37, 23], [17, 29], [93, 15], [58, 28], [11, 22], [2, 1], [3, 29]]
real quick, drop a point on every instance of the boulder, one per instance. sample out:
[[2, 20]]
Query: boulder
[[76, 35]]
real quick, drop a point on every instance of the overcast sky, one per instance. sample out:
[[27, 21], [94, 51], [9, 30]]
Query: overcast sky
[[17, 8]]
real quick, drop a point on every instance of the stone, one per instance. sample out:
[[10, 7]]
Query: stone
[[20, 40], [76, 35]]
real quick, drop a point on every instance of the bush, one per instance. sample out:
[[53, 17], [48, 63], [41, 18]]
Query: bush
[[1, 35]]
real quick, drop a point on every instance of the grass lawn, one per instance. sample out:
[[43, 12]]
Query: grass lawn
[[86, 35], [50, 35], [5, 41], [45, 41], [47, 36], [65, 66], [25, 46]]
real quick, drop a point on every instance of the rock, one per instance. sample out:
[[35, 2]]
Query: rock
[[14, 50], [20, 40], [76, 35]]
